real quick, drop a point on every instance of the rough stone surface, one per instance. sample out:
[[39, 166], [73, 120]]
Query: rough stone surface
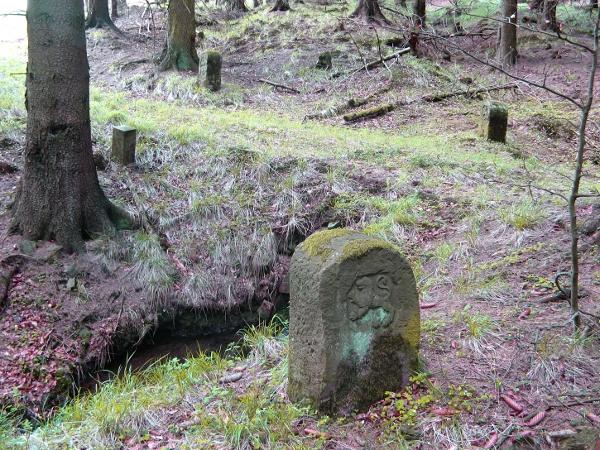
[[325, 61], [213, 71], [495, 122], [354, 321], [123, 145]]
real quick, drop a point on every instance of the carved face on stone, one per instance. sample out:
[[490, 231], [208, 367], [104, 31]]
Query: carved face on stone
[[369, 300]]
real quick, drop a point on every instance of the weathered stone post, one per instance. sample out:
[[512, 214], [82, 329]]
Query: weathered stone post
[[354, 321], [495, 122], [325, 61], [123, 145], [213, 71]]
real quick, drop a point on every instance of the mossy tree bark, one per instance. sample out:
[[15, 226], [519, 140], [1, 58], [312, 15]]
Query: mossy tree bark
[[180, 49], [281, 5], [99, 16], [59, 196], [370, 11], [507, 50]]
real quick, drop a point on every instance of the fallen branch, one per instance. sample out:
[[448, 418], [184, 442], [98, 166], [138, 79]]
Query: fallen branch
[[371, 112], [432, 98], [280, 86], [350, 104], [372, 64]]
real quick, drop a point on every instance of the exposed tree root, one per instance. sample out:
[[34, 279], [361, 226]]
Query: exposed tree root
[[96, 22]]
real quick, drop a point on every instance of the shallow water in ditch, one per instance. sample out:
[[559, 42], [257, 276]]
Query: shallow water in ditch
[[159, 348]]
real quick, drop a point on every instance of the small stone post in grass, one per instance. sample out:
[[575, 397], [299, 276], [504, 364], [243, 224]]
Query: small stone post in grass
[[325, 61], [123, 145], [213, 71], [354, 321], [495, 122]]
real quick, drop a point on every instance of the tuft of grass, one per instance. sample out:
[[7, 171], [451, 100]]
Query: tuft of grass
[[523, 215], [477, 327], [151, 269]]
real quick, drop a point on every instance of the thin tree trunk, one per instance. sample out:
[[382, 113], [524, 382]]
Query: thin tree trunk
[[370, 11], [180, 50], [507, 50], [419, 12], [114, 8], [98, 15], [59, 196], [547, 15], [585, 112]]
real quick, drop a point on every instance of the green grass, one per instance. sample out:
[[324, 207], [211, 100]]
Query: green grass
[[134, 404], [522, 215]]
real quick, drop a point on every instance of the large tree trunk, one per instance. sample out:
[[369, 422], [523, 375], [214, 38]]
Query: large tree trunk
[[59, 196], [281, 5], [370, 11], [507, 50], [180, 50], [419, 13], [98, 15]]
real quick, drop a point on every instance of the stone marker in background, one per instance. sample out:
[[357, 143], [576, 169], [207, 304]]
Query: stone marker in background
[[495, 122], [325, 61], [213, 71], [123, 145], [354, 321]]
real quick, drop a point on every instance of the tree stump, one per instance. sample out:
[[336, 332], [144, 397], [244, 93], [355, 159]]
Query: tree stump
[[354, 321], [123, 145], [495, 122], [213, 71]]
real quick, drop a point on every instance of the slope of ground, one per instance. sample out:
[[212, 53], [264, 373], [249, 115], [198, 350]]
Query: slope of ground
[[226, 185]]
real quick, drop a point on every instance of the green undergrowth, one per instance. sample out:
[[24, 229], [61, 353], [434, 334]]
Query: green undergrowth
[[186, 399]]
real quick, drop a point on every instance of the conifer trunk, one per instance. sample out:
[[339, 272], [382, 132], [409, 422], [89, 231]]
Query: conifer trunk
[[419, 13], [114, 9], [281, 5], [507, 50], [180, 49], [59, 197], [98, 15], [237, 5], [370, 11]]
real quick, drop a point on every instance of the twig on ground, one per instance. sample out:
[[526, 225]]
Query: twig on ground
[[280, 86]]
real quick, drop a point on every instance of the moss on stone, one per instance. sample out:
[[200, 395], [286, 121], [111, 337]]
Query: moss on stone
[[360, 247], [412, 334], [317, 245]]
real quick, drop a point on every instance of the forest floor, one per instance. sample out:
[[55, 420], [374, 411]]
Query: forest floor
[[229, 182]]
